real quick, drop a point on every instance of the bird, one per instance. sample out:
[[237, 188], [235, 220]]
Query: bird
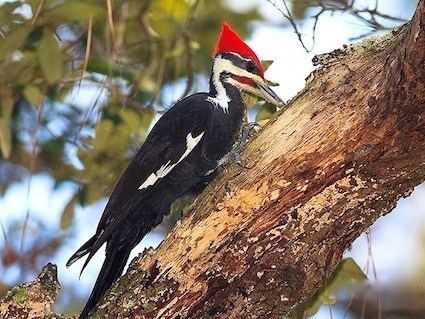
[[180, 156]]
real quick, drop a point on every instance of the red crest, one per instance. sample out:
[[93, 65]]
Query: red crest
[[230, 41]]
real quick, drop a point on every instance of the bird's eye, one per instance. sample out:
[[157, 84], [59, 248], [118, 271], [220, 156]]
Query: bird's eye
[[250, 66]]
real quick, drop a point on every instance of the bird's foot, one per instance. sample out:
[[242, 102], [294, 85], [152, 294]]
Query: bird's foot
[[248, 131], [234, 156]]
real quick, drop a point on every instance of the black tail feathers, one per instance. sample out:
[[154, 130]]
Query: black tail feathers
[[112, 268], [82, 251]]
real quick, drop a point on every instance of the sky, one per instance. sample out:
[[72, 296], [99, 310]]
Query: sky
[[291, 66]]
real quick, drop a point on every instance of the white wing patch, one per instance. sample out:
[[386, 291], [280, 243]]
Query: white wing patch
[[163, 171]]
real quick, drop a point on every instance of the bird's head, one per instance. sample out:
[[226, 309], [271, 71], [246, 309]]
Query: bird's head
[[237, 64]]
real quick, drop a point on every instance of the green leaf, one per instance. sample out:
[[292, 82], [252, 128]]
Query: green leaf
[[6, 10], [33, 94], [102, 67], [93, 194], [348, 272], [13, 41], [50, 58], [34, 37], [248, 99], [6, 108], [265, 112], [68, 213], [181, 205], [177, 50], [346, 275], [136, 123], [75, 10], [82, 196], [36, 3], [5, 139]]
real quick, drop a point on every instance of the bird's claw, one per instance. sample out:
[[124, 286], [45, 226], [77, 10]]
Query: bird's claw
[[235, 154], [247, 134]]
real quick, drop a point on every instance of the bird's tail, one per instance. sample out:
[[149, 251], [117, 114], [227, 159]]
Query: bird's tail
[[82, 251], [112, 268]]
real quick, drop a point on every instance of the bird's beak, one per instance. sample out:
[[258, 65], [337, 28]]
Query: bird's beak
[[267, 93]]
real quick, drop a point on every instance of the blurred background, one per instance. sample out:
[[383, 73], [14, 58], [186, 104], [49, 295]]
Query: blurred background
[[82, 82]]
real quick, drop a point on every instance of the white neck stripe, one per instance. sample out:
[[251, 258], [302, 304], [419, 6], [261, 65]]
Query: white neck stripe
[[221, 99], [224, 65]]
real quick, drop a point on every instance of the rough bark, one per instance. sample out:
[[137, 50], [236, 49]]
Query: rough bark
[[34, 299], [261, 240]]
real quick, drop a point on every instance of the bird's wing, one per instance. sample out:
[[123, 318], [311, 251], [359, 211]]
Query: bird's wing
[[171, 140]]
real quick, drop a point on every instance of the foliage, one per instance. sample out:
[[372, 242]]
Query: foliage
[[346, 275]]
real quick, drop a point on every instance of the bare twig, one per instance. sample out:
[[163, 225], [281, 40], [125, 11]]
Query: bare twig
[[88, 46], [90, 111], [3, 232], [189, 62], [37, 12], [159, 80], [147, 31], [35, 150], [111, 20], [287, 15], [187, 44], [368, 16], [316, 20]]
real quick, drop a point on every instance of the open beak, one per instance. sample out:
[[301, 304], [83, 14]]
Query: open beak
[[267, 93]]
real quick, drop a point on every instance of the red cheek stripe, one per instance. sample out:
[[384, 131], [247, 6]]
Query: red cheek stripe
[[245, 80]]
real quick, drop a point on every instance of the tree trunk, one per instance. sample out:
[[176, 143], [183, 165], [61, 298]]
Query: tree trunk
[[261, 240]]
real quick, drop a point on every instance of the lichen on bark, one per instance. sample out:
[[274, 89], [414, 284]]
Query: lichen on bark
[[33, 300]]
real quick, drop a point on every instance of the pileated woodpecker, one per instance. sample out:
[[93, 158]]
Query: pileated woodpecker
[[179, 157]]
